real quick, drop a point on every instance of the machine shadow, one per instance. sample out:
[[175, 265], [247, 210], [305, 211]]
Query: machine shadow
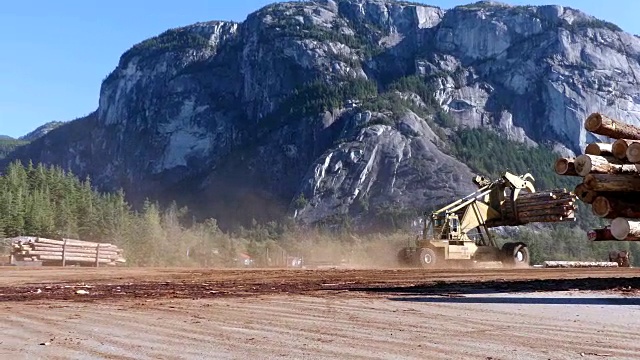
[[456, 290], [626, 301]]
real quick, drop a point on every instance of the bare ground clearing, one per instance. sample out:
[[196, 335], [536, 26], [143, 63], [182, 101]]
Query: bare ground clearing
[[152, 313], [21, 284]]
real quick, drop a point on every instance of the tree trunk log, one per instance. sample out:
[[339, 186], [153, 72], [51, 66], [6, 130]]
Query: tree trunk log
[[611, 208], [74, 259], [599, 149], [535, 197], [608, 182], [620, 146], [74, 243], [606, 235], [70, 250], [526, 199], [603, 125], [545, 218], [72, 254], [565, 166], [633, 153], [553, 211], [583, 163], [523, 221], [556, 192], [600, 235], [621, 228], [578, 264], [592, 164], [584, 194], [541, 204], [70, 243]]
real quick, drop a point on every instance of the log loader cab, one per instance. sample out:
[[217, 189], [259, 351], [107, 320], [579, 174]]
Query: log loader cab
[[458, 232]]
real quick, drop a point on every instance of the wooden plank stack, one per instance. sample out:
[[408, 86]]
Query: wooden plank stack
[[546, 206], [611, 177], [65, 252]]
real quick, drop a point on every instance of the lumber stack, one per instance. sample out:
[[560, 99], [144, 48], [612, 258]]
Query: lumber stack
[[610, 177], [65, 252], [579, 264], [546, 206]]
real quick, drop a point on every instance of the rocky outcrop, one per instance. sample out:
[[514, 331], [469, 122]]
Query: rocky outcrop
[[42, 130], [383, 167], [312, 109]]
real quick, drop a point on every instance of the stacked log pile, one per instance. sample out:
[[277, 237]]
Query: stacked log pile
[[65, 252], [579, 264], [546, 206], [610, 177]]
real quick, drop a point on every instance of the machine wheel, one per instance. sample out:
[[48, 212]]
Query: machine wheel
[[516, 254], [427, 258]]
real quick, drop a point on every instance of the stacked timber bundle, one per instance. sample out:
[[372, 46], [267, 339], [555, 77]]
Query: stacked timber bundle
[[65, 252], [579, 264], [546, 206], [610, 177]]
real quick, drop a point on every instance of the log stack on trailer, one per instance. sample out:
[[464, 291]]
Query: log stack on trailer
[[610, 177], [65, 252]]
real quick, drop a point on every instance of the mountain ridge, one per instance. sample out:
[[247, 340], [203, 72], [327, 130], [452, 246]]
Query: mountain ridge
[[332, 109], [41, 130]]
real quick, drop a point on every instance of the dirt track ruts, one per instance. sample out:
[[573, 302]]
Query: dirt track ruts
[[146, 313]]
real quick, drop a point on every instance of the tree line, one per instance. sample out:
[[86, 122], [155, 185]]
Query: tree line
[[36, 200], [48, 201]]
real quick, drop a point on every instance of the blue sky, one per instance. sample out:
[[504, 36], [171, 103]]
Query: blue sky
[[56, 53]]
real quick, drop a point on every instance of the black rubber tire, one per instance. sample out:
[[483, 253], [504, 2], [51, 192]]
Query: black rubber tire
[[427, 258], [516, 254]]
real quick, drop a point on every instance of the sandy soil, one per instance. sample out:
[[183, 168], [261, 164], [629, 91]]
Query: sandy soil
[[319, 314]]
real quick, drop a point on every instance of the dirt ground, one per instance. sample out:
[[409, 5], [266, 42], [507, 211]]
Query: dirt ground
[[150, 313]]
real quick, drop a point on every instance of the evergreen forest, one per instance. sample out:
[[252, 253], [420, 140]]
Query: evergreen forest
[[36, 200]]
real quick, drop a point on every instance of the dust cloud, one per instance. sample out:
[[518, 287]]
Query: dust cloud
[[375, 251]]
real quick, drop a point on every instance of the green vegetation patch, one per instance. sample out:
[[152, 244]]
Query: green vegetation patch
[[170, 40], [7, 146]]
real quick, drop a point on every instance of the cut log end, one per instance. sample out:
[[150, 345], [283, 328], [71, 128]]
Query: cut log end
[[565, 166], [583, 165], [593, 122], [620, 228], [633, 153], [619, 149], [599, 149], [601, 206], [616, 205], [584, 194]]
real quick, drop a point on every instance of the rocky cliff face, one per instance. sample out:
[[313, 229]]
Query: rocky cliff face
[[330, 107]]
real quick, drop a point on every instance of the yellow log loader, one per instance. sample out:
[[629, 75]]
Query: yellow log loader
[[459, 232]]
